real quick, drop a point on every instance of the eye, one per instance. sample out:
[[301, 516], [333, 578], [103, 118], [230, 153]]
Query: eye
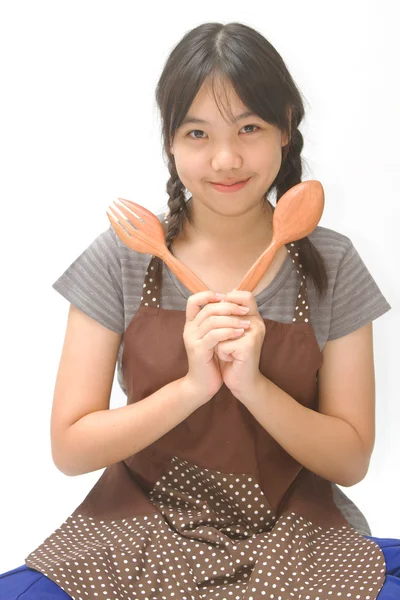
[[200, 131], [256, 126]]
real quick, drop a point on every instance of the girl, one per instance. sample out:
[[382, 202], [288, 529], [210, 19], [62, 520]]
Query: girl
[[222, 470]]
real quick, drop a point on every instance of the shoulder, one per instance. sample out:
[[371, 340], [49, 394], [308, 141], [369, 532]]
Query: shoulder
[[103, 251], [332, 244]]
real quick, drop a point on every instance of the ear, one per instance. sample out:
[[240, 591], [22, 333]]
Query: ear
[[287, 137]]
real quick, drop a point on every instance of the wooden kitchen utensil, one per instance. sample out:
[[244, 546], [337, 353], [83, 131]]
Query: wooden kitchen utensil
[[296, 215]]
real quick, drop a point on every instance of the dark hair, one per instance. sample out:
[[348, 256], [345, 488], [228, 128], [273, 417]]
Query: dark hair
[[241, 56]]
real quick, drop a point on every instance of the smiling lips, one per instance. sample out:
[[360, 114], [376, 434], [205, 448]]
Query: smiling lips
[[228, 181], [230, 188]]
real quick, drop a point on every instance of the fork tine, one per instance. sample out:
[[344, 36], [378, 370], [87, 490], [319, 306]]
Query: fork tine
[[120, 231], [127, 225], [137, 208], [151, 224], [140, 241], [132, 218], [144, 233]]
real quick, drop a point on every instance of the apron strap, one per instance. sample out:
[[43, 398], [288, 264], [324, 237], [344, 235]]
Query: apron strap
[[301, 312]]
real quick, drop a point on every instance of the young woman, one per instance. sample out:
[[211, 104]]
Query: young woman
[[222, 470]]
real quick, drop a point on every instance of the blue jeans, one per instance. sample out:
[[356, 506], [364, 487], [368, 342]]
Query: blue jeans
[[27, 584]]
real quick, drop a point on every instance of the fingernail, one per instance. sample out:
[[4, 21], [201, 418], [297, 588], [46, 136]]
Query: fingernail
[[220, 296]]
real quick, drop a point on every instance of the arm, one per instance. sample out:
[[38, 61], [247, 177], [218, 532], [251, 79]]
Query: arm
[[85, 434], [336, 443], [104, 437]]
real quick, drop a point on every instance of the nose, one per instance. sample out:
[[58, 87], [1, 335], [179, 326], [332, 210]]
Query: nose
[[226, 158]]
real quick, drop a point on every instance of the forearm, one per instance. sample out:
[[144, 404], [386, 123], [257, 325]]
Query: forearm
[[104, 437], [325, 445]]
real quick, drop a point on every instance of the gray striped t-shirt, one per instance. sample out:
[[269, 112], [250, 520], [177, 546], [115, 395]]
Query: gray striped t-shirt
[[106, 283]]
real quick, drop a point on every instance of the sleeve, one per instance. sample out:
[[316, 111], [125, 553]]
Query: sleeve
[[93, 282], [350, 511], [357, 300]]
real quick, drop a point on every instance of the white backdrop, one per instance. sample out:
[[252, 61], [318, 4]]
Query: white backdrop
[[79, 127]]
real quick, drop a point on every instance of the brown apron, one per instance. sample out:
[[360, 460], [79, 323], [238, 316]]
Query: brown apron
[[216, 508]]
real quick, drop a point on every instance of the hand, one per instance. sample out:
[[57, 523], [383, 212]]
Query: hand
[[204, 328], [239, 358]]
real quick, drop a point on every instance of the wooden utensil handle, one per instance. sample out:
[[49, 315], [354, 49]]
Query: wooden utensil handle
[[259, 267], [184, 274]]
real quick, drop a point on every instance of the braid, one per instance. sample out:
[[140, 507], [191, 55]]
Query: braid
[[289, 176], [178, 210], [292, 168]]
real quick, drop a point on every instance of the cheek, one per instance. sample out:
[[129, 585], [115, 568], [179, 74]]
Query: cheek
[[272, 155], [269, 161], [189, 169]]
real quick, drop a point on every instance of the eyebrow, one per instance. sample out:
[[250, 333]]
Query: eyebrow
[[191, 119]]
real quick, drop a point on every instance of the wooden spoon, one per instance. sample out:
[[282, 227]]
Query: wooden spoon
[[296, 215]]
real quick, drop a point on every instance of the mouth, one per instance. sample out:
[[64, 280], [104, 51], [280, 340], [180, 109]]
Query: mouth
[[229, 182], [230, 187]]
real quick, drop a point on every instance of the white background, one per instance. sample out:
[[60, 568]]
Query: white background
[[79, 127]]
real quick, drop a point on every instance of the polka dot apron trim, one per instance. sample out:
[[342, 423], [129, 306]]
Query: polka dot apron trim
[[214, 537]]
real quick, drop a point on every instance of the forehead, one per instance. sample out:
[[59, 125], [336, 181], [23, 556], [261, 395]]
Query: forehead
[[212, 105]]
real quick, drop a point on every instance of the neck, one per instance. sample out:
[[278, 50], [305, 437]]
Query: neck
[[238, 234]]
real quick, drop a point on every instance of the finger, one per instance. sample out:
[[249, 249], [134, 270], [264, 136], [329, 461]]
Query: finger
[[225, 349], [197, 301], [242, 295], [241, 298], [220, 309], [217, 336], [225, 358]]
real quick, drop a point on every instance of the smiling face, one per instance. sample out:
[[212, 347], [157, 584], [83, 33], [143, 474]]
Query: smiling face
[[216, 150]]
